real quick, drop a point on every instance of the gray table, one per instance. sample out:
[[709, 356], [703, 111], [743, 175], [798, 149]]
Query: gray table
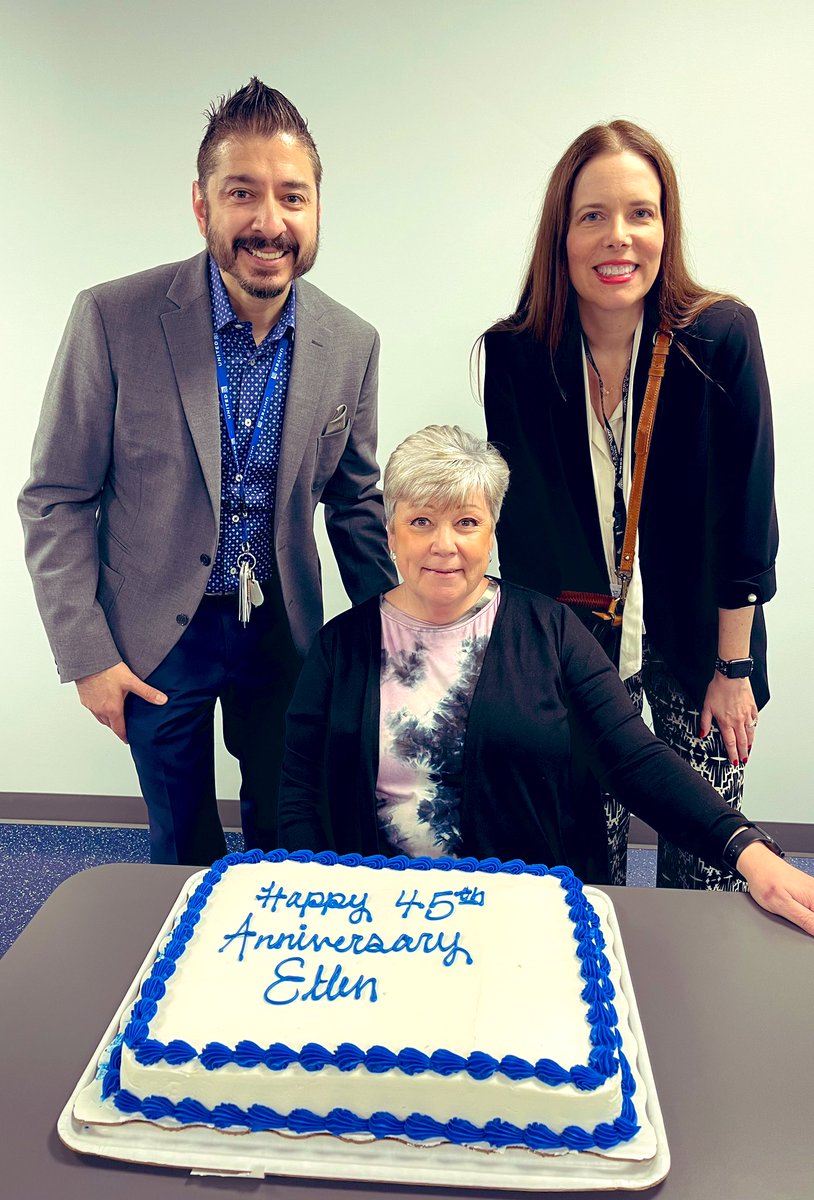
[[724, 991]]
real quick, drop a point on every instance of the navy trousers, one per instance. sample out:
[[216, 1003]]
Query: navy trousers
[[252, 672]]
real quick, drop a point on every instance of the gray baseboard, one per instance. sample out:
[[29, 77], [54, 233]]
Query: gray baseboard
[[45, 808]]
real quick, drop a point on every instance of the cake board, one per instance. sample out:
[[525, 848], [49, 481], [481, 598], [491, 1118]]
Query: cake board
[[90, 1125]]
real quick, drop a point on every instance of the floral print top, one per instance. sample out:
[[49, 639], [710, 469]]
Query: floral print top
[[428, 678]]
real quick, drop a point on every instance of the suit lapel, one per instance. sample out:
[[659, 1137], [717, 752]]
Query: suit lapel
[[312, 352], [188, 330]]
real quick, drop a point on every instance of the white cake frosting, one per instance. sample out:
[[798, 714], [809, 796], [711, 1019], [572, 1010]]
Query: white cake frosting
[[427, 999]]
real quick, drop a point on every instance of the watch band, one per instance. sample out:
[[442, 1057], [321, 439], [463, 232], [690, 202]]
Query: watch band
[[734, 668], [744, 837]]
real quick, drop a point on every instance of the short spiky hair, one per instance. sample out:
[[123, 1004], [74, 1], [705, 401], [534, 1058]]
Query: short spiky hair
[[253, 110]]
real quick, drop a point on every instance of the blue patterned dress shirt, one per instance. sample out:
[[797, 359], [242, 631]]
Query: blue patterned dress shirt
[[247, 369]]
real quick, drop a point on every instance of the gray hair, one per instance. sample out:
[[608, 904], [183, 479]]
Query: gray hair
[[444, 465]]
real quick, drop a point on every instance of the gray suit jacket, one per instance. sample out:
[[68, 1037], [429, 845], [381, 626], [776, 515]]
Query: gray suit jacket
[[122, 508]]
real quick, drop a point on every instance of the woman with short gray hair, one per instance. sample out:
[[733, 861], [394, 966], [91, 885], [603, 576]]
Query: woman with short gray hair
[[446, 464], [460, 715]]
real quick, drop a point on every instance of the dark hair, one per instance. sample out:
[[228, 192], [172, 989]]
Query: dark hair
[[544, 296], [253, 110]]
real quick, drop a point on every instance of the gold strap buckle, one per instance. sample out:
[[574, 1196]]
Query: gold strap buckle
[[613, 612]]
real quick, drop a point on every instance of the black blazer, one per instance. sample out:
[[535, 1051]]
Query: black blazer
[[708, 528]]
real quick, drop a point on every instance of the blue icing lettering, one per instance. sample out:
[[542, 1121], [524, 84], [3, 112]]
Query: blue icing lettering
[[409, 905], [337, 986], [267, 896], [442, 903], [450, 947], [243, 933], [440, 907], [321, 902], [281, 978], [428, 942]]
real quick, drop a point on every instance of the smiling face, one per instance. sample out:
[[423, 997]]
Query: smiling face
[[442, 554], [615, 233], [260, 216]]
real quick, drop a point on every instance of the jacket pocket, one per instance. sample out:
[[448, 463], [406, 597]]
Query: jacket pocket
[[329, 449]]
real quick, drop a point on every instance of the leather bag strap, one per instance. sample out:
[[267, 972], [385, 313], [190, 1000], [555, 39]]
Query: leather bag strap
[[644, 433]]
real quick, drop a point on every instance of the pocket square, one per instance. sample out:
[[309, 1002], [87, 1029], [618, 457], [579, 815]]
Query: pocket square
[[338, 421]]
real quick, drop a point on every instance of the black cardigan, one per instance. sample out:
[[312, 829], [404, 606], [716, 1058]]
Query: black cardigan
[[708, 529], [549, 717]]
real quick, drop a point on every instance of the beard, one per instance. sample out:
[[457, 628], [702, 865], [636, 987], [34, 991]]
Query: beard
[[225, 255]]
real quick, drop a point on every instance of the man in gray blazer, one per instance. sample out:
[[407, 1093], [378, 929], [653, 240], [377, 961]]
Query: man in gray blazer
[[195, 416]]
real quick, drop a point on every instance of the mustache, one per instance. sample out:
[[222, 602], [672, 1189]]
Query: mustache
[[282, 242]]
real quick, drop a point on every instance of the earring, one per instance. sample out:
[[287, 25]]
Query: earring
[[393, 555]]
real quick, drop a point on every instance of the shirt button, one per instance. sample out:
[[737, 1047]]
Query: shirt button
[[206, 560], [247, 422], [182, 619], [235, 518], [252, 362], [752, 598], [238, 478], [233, 570]]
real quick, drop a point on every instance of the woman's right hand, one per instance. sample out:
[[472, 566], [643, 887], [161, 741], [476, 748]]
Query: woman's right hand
[[777, 886]]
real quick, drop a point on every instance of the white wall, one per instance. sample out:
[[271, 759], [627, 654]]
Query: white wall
[[437, 124]]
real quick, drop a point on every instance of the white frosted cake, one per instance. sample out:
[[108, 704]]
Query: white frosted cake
[[426, 999]]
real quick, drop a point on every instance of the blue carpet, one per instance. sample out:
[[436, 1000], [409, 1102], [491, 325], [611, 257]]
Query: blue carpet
[[35, 859]]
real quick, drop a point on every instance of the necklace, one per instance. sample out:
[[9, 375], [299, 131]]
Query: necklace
[[616, 451], [600, 381]]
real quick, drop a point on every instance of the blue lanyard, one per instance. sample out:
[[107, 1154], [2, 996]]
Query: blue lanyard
[[229, 419]]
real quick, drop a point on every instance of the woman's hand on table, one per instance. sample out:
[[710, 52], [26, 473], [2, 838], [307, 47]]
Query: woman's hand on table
[[731, 703], [777, 886]]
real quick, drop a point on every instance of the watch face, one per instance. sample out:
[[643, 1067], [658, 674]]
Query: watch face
[[736, 668]]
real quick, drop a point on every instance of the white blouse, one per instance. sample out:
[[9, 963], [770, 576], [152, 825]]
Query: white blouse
[[630, 657]]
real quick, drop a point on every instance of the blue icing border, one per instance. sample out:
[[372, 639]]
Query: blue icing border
[[604, 1060], [418, 1127]]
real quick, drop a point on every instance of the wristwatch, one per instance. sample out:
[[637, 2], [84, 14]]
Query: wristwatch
[[734, 668], [743, 838]]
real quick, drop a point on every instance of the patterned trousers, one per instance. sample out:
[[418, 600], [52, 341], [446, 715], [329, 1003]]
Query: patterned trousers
[[676, 722]]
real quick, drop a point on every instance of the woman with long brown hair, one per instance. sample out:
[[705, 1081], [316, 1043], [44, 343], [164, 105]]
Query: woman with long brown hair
[[564, 384]]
